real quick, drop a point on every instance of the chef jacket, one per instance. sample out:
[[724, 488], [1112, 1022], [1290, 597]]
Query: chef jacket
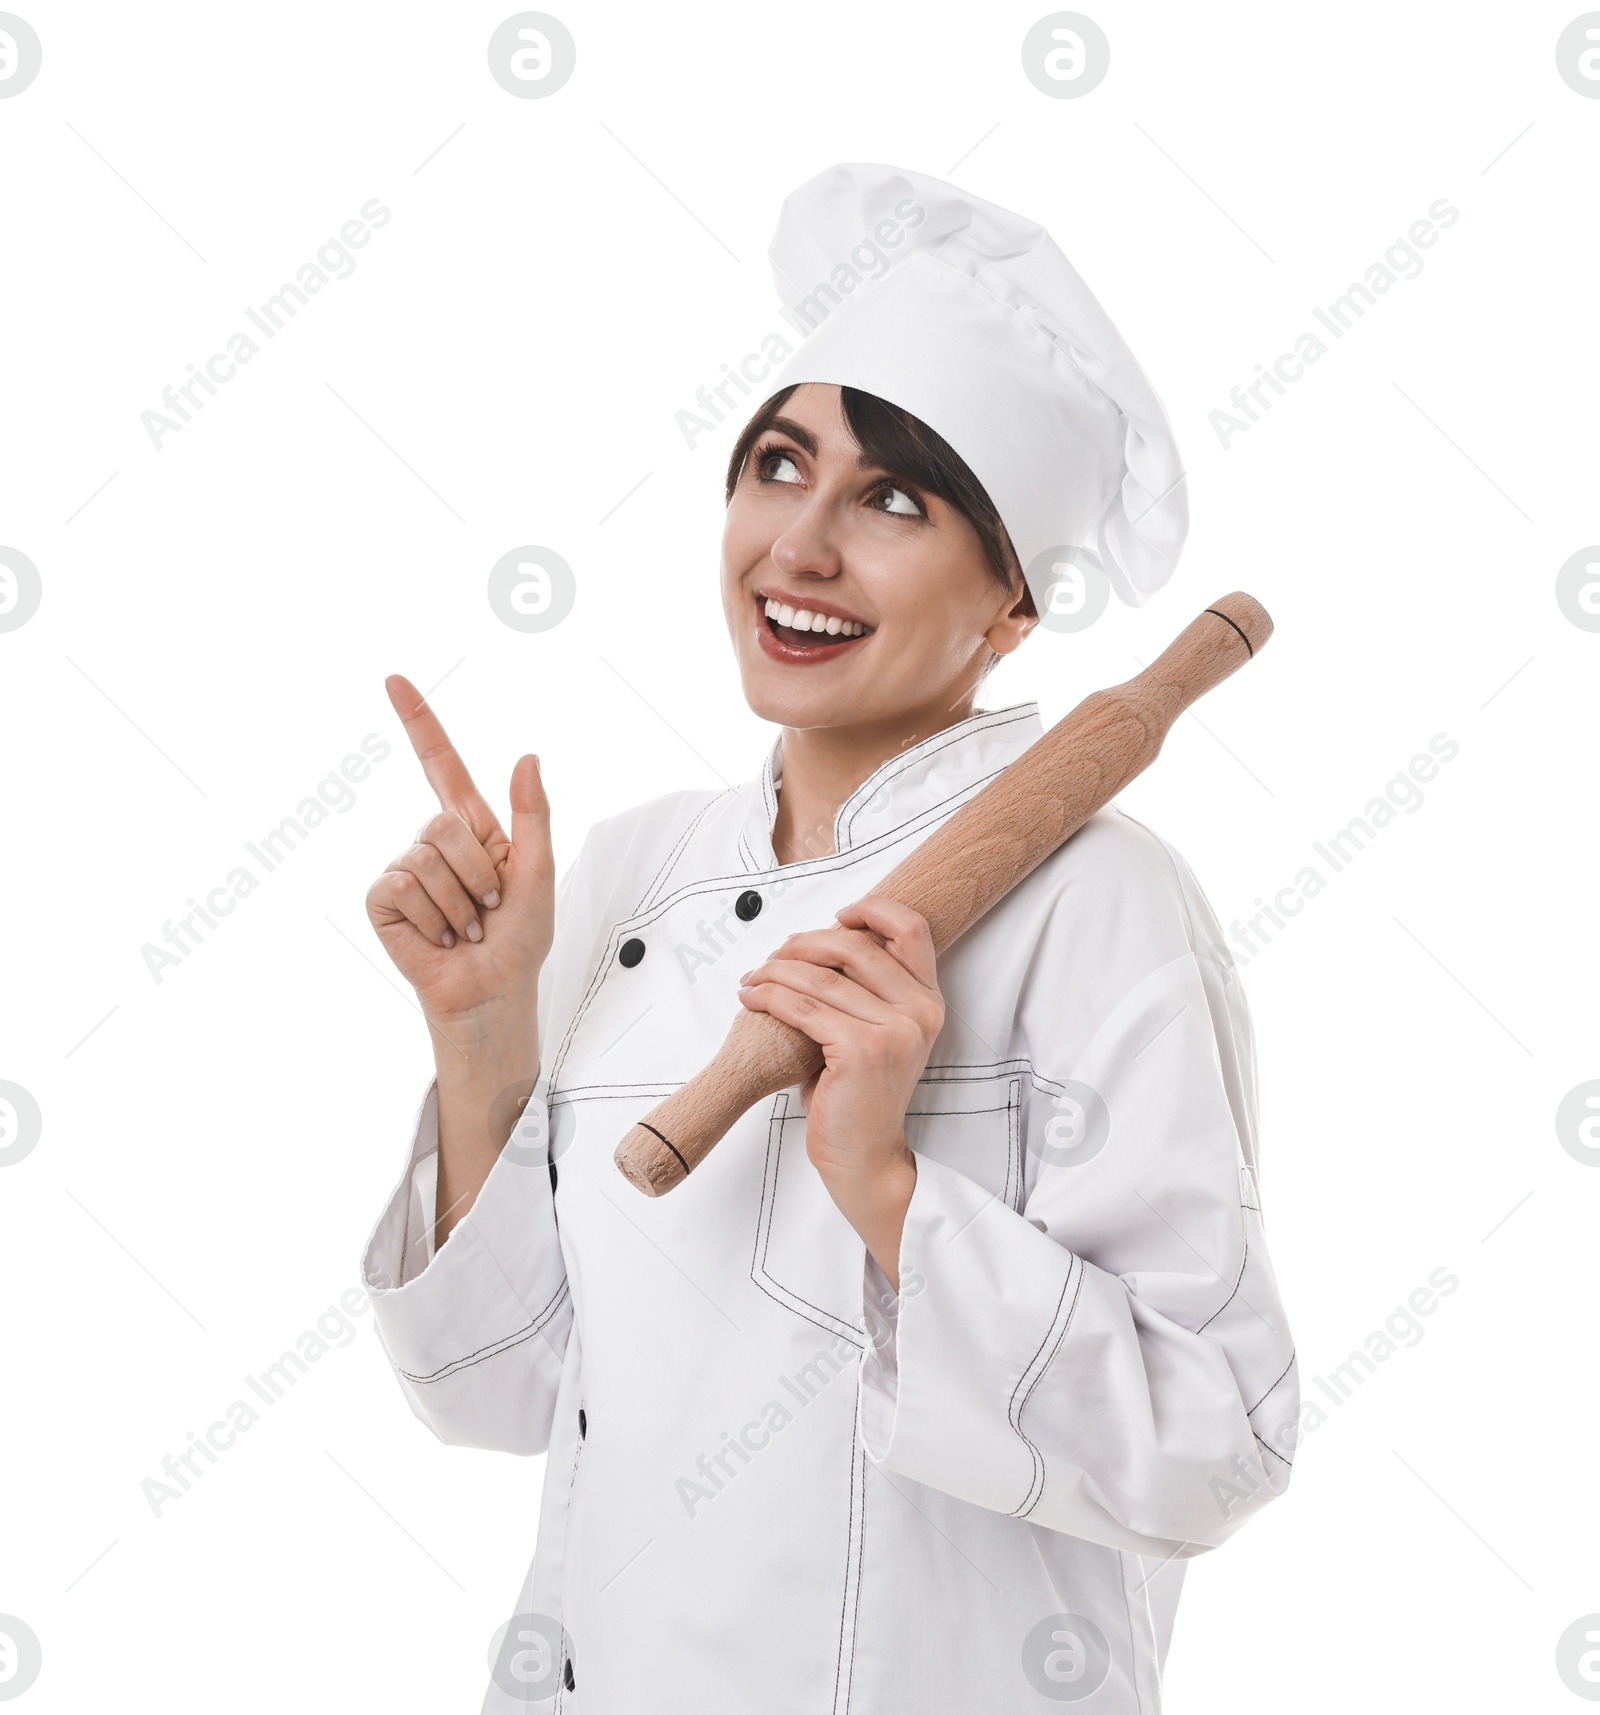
[[773, 1486]]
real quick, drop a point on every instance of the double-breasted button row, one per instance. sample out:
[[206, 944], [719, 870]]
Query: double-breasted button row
[[747, 907]]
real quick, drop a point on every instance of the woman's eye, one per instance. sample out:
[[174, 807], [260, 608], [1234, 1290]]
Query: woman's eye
[[770, 464], [906, 505]]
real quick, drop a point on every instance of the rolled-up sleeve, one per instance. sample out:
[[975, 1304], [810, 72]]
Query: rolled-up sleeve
[[1108, 1358], [477, 1333]]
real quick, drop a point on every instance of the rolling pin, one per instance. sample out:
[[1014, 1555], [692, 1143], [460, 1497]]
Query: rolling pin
[[960, 870]]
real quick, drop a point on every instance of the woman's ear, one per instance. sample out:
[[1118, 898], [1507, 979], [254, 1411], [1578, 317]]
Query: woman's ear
[[1014, 624]]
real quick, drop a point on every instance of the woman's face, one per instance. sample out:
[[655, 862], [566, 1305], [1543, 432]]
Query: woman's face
[[897, 601]]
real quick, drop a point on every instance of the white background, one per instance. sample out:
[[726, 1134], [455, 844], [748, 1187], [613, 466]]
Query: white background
[[503, 367]]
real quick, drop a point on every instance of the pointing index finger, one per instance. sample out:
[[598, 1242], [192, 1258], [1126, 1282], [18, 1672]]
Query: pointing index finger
[[441, 762]]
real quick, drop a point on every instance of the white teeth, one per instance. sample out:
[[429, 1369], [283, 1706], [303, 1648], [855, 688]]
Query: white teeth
[[803, 619]]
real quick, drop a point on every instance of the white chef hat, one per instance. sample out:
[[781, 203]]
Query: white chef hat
[[970, 318]]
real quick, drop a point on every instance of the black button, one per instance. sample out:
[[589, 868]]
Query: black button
[[583, 1424], [570, 1677], [747, 905], [632, 952]]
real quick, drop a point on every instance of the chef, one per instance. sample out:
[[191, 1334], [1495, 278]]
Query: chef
[[922, 1391]]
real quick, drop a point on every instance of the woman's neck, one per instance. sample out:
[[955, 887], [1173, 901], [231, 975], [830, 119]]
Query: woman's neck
[[822, 766]]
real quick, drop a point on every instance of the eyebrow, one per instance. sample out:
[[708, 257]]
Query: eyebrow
[[807, 442]]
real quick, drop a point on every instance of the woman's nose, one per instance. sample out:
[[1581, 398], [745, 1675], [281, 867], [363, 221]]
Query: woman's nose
[[809, 544]]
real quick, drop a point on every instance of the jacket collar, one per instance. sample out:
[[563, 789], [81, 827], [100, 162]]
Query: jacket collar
[[941, 772]]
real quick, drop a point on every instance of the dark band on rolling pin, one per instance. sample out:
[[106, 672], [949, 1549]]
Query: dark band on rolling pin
[[1242, 638], [667, 1141]]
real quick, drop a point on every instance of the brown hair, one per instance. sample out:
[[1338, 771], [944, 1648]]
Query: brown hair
[[905, 447]]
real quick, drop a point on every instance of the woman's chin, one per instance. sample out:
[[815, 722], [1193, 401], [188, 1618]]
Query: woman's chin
[[803, 697]]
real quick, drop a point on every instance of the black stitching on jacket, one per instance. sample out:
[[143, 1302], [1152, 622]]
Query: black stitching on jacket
[[858, 1481], [1244, 1263], [680, 847], [954, 1113], [1268, 1394], [1014, 1408], [931, 746], [496, 1347], [769, 1177], [1274, 1451]]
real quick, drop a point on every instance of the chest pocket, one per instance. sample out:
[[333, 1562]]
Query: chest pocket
[[970, 1118], [807, 1257]]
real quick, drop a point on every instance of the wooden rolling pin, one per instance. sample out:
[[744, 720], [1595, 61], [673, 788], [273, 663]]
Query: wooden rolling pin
[[960, 870]]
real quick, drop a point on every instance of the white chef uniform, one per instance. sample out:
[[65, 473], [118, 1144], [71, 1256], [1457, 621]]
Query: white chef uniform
[[771, 1488]]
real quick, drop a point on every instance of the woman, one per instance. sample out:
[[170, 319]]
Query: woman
[[919, 1394]]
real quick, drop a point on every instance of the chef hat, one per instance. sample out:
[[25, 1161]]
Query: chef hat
[[970, 318]]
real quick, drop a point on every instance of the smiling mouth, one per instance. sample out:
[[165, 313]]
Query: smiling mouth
[[803, 634]]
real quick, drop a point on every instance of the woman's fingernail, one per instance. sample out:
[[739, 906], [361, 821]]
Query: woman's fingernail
[[744, 981], [474, 931], [449, 937], [492, 898]]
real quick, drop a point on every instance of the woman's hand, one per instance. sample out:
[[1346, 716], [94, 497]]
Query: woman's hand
[[466, 913], [874, 1011]]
